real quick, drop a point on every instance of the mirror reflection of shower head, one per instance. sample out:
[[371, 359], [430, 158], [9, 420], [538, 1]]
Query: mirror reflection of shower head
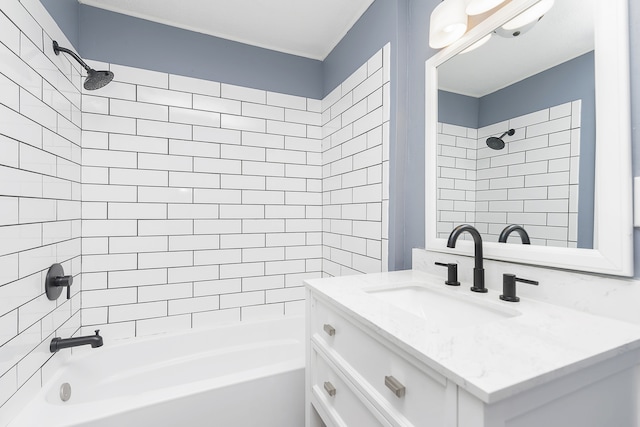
[[496, 143], [95, 79]]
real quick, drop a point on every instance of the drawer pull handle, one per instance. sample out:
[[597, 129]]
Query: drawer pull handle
[[331, 390], [395, 386], [330, 330]]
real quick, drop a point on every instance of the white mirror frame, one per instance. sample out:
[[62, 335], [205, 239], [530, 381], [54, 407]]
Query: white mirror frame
[[613, 211]]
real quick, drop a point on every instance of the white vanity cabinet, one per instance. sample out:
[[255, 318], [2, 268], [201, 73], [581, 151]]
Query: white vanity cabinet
[[360, 375], [397, 389]]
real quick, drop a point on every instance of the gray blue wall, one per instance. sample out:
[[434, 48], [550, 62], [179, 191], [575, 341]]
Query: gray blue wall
[[360, 43], [115, 38], [65, 13], [386, 21], [414, 162], [459, 110], [566, 82], [404, 23]]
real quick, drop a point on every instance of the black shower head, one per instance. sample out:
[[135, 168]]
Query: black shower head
[[496, 143], [95, 79]]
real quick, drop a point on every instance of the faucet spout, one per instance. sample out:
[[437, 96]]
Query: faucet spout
[[58, 343], [478, 270], [524, 236]]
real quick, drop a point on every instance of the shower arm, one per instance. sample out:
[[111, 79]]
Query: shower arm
[[57, 49], [510, 132]]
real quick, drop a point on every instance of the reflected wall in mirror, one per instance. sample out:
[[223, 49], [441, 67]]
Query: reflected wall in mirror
[[540, 84], [564, 172]]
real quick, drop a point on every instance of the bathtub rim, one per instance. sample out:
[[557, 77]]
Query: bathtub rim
[[123, 404], [118, 342]]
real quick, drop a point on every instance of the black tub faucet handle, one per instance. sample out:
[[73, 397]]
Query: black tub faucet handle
[[55, 281]]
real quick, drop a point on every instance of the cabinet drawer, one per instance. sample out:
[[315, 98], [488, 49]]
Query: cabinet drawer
[[339, 402], [380, 372]]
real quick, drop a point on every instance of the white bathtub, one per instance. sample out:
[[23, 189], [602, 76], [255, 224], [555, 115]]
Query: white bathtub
[[244, 375]]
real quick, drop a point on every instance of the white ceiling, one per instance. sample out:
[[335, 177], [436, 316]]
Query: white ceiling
[[565, 32], [309, 28]]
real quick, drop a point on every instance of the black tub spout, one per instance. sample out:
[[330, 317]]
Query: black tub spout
[[59, 343]]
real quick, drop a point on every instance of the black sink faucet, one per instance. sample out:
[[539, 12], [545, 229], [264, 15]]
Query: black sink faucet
[[59, 343], [478, 270], [524, 236]]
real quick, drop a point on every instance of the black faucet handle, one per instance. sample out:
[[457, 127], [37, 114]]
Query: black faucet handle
[[97, 331], [452, 273], [509, 286], [64, 281], [527, 281]]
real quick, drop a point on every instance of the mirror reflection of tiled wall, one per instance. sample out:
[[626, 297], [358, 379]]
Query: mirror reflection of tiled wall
[[532, 181]]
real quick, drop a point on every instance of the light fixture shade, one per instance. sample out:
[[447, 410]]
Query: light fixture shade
[[476, 7], [448, 23], [515, 32], [530, 15]]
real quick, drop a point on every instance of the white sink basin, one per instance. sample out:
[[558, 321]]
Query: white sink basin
[[441, 308]]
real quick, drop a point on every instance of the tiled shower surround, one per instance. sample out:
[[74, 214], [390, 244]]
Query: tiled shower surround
[[174, 202], [532, 181], [201, 202]]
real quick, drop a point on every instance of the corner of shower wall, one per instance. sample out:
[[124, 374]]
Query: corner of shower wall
[[40, 190], [355, 171]]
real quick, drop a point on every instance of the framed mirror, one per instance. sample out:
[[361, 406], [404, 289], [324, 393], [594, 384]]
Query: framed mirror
[[531, 126]]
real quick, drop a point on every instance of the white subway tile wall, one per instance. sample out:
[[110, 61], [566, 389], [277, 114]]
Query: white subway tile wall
[[355, 171], [197, 199], [174, 202], [532, 181], [40, 205]]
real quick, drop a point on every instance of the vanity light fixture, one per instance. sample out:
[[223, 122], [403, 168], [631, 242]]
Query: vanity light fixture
[[448, 23], [477, 7], [449, 20], [517, 31], [531, 15], [526, 20]]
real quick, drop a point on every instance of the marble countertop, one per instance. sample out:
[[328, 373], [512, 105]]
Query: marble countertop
[[493, 360]]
